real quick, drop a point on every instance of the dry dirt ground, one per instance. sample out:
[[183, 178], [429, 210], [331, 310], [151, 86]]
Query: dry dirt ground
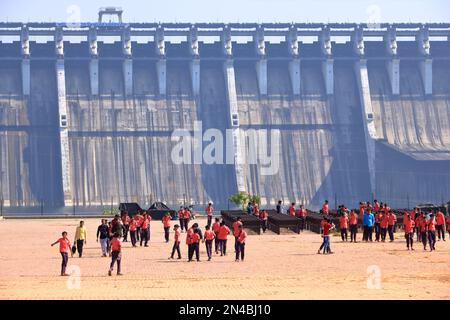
[[276, 267]]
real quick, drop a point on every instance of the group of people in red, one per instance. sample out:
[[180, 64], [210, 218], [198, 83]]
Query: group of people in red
[[380, 218]]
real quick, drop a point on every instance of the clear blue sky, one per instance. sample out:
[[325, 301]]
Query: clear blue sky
[[231, 10]]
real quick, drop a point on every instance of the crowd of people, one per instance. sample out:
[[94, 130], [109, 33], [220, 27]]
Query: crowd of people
[[376, 217]]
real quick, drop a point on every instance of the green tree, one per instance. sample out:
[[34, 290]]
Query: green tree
[[240, 199]]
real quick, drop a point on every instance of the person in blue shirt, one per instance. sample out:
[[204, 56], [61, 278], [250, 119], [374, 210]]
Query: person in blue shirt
[[368, 222]]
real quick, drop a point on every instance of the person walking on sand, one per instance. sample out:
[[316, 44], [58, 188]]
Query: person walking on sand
[[181, 217], [215, 229], [236, 225], [195, 238], [176, 242], [264, 216], [115, 253], [133, 231], [80, 238], [224, 231], [208, 240], [431, 223], [440, 225], [392, 220], [125, 225], [145, 230], [240, 248], [209, 213], [302, 216], [166, 224], [343, 226], [103, 235], [327, 227], [64, 248], [353, 220], [409, 231]]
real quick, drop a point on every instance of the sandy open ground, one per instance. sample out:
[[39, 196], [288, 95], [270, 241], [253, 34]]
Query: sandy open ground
[[276, 267]]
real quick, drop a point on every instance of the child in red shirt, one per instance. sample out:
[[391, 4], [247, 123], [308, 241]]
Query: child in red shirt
[[133, 231], [409, 230], [176, 243], [264, 216], [115, 254], [224, 231], [209, 237], [353, 220], [327, 226], [240, 248], [166, 224], [64, 248], [215, 229], [195, 243], [343, 226]]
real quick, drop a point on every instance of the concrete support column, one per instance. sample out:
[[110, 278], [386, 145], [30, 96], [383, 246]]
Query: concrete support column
[[370, 133], [64, 134], [393, 65], [194, 68], [294, 72], [426, 70], [161, 73], [26, 76], [25, 50], [327, 64], [93, 76], [261, 73], [160, 50], [328, 75], [426, 66], [236, 152], [128, 76], [261, 64], [294, 64]]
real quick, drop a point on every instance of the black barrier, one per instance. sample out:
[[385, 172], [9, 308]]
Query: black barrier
[[281, 223], [158, 209], [131, 207], [251, 223]]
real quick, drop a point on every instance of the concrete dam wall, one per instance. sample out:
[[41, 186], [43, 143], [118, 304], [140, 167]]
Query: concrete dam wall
[[84, 129]]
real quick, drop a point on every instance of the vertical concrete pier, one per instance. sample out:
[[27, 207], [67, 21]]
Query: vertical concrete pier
[[294, 64], [426, 65], [328, 63], [127, 63], [393, 64], [93, 63], [161, 67], [25, 48], [194, 65], [261, 64]]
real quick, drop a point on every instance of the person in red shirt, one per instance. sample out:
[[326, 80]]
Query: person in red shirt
[[255, 209], [418, 224], [236, 225], [133, 231], [440, 225], [224, 231], [378, 218], [195, 243], [408, 225], [302, 216], [362, 208], [392, 219], [353, 221], [343, 226], [431, 225], [208, 239], [325, 208], [448, 225], [181, 218], [264, 217], [215, 228], [187, 217], [209, 213], [384, 225], [126, 225], [240, 249], [423, 230], [327, 226], [176, 243], [145, 230], [116, 254], [291, 209], [376, 206], [166, 224], [64, 248], [139, 218]]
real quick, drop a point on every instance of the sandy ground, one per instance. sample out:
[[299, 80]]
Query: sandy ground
[[276, 267]]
